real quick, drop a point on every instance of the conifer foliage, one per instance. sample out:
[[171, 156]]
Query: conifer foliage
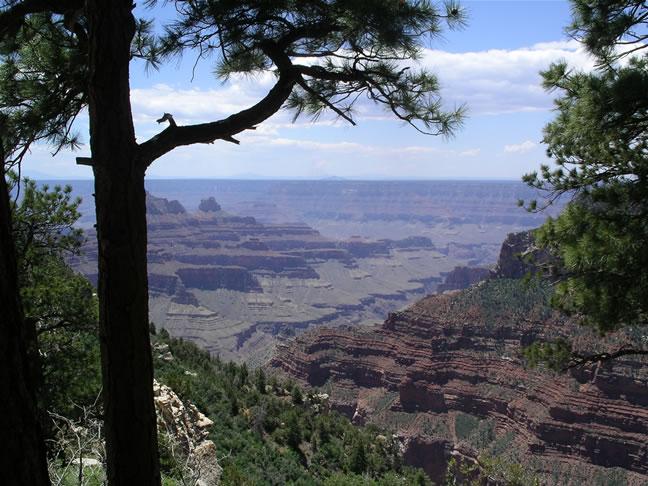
[[599, 144], [269, 440], [333, 52]]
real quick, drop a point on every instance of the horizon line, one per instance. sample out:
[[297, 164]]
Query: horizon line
[[47, 178]]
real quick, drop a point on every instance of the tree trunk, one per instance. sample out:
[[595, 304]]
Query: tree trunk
[[22, 448], [130, 423]]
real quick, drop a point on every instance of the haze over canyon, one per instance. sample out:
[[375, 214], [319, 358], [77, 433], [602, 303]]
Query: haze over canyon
[[235, 265]]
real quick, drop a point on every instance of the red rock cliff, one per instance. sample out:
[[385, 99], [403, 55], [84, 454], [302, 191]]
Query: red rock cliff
[[445, 374]]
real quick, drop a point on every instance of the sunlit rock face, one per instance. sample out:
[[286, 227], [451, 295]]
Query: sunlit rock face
[[186, 430], [446, 376]]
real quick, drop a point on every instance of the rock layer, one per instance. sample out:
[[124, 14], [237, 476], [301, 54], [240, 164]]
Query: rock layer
[[236, 286], [446, 375]]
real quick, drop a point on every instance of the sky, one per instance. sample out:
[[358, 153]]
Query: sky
[[491, 66]]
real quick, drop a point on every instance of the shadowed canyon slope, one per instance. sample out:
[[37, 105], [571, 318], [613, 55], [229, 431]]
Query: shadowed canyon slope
[[445, 375]]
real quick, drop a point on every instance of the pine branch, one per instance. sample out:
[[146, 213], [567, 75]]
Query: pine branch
[[326, 102], [176, 136], [579, 360], [13, 17]]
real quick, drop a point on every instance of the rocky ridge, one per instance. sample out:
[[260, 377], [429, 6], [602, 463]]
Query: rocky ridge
[[446, 376], [462, 278]]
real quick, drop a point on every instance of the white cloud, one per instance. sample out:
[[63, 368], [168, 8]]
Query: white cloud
[[419, 149], [196, 104], [255, 140], [470, 153], [321, 165], [567, 44], [488, 82], [521, 148], [313, 145], [502, 81]]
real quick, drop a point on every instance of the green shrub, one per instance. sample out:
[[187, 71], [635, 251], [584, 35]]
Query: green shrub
[[465, 425]]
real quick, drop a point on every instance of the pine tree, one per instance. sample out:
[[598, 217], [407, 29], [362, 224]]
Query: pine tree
[[294, 432], [58, 304], [358, 457], [22, 446], [598, 142], [325, 54], [260, 380], [35, 105], [297, 395]]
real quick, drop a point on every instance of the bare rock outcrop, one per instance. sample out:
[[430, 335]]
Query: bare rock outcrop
[[187, 430], [519, 255], [209, 205], [462, 278], [184, 422], [158, 205]]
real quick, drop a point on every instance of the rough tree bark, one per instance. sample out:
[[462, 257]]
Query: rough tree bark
[[119, 166], [22, 449], [130, 424]]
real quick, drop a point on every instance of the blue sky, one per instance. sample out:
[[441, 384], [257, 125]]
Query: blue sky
[[492, 66]]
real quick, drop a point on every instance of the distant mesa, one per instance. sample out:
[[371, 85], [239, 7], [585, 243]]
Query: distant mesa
[[209, 205], [159, 205]]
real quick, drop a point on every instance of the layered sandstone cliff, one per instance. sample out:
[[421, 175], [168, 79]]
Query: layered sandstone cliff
[[447, 377]]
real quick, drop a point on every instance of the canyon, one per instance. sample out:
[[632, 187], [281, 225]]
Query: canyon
[[236, 286], [304, 273], [238, 266], [446, 376]]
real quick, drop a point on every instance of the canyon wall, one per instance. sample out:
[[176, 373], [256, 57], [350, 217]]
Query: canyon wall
[[238, 283], [460, 217], [447, 377], [237, 287]]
